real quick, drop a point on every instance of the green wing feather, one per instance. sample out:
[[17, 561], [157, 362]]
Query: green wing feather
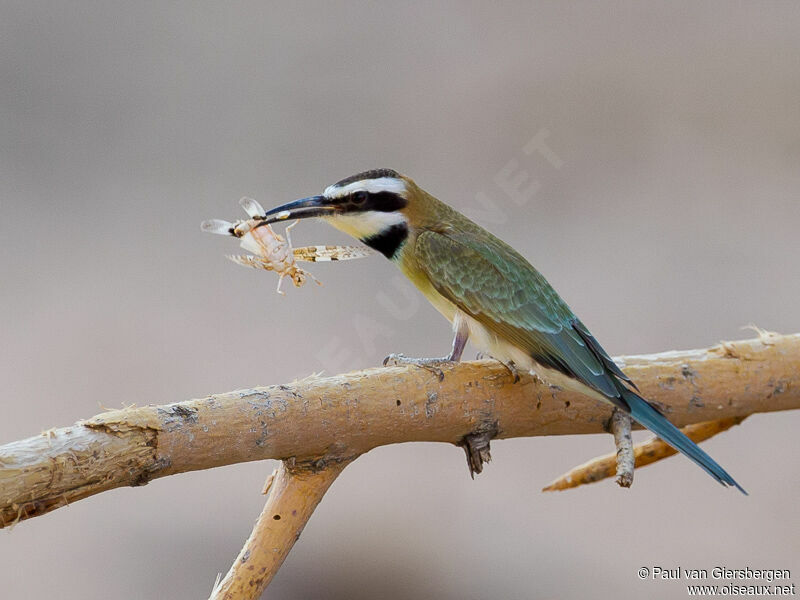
[[495, 285], [491, 282]]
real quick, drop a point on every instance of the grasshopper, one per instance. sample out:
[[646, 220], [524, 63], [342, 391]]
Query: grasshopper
[[271, 251]]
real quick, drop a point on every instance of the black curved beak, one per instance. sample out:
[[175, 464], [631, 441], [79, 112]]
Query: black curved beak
[[313, 206]]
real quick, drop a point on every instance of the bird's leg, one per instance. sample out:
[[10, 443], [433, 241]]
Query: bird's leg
[[461, 335]]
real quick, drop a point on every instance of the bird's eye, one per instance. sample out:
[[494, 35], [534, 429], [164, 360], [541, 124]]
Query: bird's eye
[[360, 197]]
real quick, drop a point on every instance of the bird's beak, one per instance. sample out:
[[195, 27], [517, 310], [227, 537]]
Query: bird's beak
[[314, 206]]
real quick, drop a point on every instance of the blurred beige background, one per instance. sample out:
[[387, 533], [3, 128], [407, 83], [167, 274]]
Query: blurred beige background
[[672, 222]]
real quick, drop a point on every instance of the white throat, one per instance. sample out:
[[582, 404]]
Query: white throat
[[364, 225]]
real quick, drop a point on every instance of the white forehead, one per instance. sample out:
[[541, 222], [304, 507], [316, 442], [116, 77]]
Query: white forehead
[[372, 186]]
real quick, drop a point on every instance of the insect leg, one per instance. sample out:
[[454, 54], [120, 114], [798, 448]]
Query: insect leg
[[288, 234], [280, 281], [317, 281]]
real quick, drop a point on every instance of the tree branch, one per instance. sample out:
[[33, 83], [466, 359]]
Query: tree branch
[[337, 418], [294, 492], [620, 425], [643, 454]]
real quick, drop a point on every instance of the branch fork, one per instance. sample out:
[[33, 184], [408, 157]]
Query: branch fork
[[293, 494]]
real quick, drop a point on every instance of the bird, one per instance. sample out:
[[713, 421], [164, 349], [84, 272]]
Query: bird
[[489, 292]]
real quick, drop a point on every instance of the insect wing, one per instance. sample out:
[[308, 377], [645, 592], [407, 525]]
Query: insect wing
[[248, 260], [252, 208], [217, 226], [330, 253]]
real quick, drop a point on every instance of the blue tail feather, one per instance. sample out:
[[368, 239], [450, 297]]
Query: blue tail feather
[[644, 413]]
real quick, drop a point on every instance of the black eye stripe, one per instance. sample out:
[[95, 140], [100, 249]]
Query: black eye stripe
[[377, 201]]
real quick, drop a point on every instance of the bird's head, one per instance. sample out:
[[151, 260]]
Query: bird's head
[[374, 207]]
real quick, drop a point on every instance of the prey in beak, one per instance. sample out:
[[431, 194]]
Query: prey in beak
[[272, 252], [313, 206]]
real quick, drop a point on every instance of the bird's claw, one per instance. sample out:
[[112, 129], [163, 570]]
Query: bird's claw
[[431, 364], [393, 360], [512, 368]]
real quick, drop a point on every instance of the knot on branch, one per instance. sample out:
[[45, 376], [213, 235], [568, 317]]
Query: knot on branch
[[476, 445]]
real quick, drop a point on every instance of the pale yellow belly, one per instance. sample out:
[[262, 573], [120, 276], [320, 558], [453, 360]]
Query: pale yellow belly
[[498, 348]]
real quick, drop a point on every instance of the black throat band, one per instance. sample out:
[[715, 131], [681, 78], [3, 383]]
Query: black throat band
[[388, 241]]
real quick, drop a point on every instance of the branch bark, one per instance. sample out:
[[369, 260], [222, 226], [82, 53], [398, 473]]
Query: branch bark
[[621, 425], [338, 418], [294, 492]]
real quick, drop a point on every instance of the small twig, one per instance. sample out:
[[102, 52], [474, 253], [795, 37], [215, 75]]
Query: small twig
[[294, 493], [621, 428], [215, 587], [644, 454]]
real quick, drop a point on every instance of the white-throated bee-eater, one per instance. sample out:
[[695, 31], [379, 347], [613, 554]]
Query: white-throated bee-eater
[[486, 289]]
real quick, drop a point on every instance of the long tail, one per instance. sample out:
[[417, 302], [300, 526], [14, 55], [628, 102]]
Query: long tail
[[643, 412]]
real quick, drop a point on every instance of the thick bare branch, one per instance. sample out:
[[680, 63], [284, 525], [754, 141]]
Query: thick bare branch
[[339, 417], [294, 492]]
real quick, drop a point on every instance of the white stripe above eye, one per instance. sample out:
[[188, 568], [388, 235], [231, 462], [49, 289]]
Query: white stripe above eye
[[372, 186]]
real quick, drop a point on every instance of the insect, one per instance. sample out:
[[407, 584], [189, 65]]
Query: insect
[[271, 251]]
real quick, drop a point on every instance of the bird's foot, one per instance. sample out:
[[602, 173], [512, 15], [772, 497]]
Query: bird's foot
[[431, 364], [512, 368]]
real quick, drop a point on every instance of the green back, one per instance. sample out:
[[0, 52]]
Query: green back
[[495, 285]]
